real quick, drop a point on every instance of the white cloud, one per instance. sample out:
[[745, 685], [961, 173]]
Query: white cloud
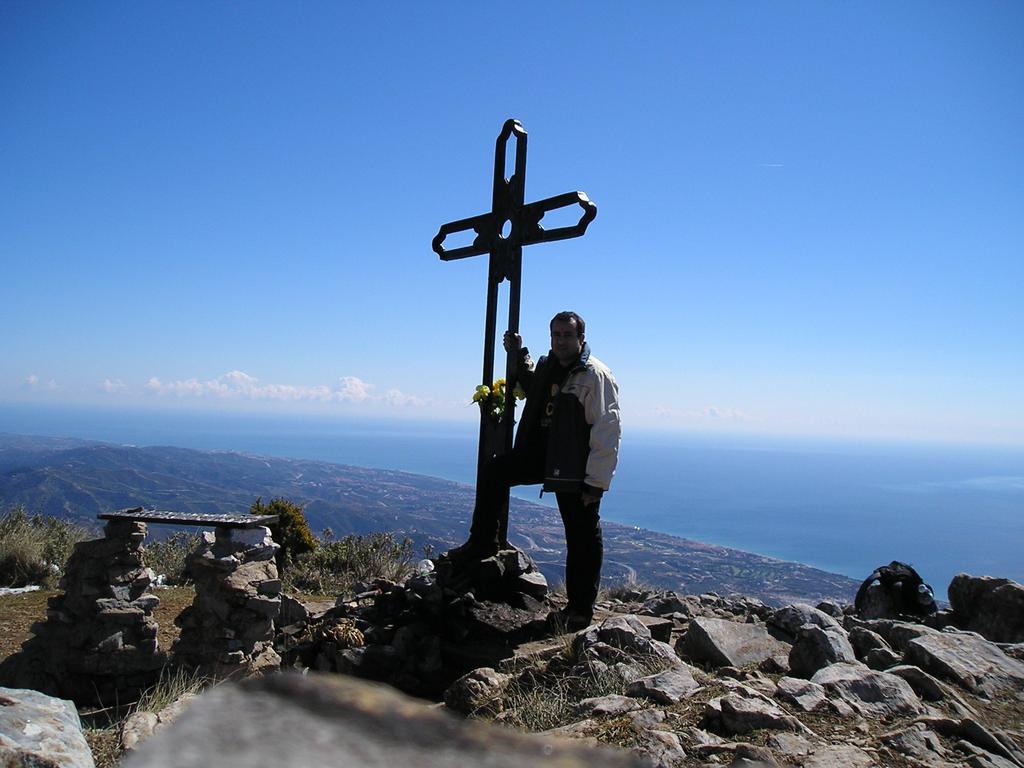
[[398, 398], [729, 414], [708, 412], [112, 387], [238, 385], [354, 390], [32, 382]]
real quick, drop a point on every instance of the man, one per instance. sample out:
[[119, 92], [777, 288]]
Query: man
[[568, 439]]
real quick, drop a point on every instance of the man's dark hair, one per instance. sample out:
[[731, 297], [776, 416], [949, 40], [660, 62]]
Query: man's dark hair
[[568, 317]]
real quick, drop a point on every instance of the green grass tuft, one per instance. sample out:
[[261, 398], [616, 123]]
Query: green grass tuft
[[35, 548], [174, 683]]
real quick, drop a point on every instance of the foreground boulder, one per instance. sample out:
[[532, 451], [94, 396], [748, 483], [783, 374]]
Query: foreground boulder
[[40, 730], [314, 720]]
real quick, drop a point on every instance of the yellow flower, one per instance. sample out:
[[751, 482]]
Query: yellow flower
[[481, 394], [492, 399], [519, 393]]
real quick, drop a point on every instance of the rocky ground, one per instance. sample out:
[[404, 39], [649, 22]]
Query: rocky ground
[[796, 686], [672, 679], [699, 679]]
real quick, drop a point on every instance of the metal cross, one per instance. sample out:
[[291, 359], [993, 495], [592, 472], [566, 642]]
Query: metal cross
[[502, 233]]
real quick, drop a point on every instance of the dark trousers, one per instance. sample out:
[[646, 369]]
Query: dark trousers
[[584, 544]]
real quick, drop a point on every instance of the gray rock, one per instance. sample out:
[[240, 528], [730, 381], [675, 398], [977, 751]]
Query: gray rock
[[666, 604], [606, 706], [816, 647], [882, 658], [728, 643], [702, 738], [606, 654], [872, 693], [40, 730], [141, 725], [660, 629], [476, 692], [138, 727], [790, 744], [629, 672], [979, 758], [647, 718], [864, 640], [761, 684], [988, 760], [663, 651], [377, 662], [967, 659], [668, 687], [1013, 650], [924, 685], [503, 620], [627, 634], [971, 732], [839, 756], [790, 618], [335, 720], [918, 742], [734, 714], [833, 609], [577, 730], [994, 608], [533, 584], [896, 633], [752, 756], [662, 747], [804, 694], [146, 603]]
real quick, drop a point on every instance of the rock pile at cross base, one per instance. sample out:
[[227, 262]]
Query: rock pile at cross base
[[421, 635]]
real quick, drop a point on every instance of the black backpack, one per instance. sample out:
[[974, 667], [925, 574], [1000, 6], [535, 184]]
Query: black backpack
[[905, 588]]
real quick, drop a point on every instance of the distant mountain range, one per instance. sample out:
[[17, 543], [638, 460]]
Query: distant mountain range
[[78, 479]]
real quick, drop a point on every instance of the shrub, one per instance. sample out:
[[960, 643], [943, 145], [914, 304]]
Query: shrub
[[334, 566], [627, 591], [169, 557], [540, 699], [34, 549], [291, 530], [174, 683]]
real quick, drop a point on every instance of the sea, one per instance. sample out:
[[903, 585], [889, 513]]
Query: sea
[[840, 505]]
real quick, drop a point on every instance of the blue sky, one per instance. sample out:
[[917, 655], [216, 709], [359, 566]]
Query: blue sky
[[810, 215]]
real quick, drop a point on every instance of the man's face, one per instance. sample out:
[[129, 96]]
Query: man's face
[[566, 343]]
